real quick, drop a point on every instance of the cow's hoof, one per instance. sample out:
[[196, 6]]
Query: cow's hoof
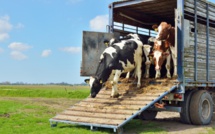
[[146, 76], [175, 76], [168, 76], [115, 95], [138, 85], [157, 77]]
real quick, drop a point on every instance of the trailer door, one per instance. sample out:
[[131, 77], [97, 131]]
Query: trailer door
[[92, 47]]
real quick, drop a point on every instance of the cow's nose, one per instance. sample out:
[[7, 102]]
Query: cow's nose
[[157, 68], [93, 95]]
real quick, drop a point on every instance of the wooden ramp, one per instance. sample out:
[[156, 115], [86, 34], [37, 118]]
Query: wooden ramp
[[113, 113]]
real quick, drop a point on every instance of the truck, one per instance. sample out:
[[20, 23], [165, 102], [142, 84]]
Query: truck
[[192, 93]]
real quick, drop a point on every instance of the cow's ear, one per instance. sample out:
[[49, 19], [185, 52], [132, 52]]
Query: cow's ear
[[106, 42], [169, 26], [155, 27], [87, 81]]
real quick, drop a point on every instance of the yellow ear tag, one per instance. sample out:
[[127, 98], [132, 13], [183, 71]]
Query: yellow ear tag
[[100, 81], [106, 44], [150, 58], [87, 81], [156, 30]]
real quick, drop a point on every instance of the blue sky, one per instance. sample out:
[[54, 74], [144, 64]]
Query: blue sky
[[40, 40]]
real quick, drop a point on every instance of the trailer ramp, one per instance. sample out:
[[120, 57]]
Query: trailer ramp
[[113, 113]]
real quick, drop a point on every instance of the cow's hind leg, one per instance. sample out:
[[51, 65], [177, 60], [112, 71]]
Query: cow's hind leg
[[127, 77], [175, 75], [148, 64], [114, 83]]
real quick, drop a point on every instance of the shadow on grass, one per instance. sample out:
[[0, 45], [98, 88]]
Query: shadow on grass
[[135, 126], [95, 131]]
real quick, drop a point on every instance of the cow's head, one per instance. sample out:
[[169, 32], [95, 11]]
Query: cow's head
[[163, 30], [95, 86], [159, 53]]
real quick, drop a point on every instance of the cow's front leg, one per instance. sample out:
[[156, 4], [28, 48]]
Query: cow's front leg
[[114, 83], [168, 66], [158, 74], [174, 58], [139, 72]]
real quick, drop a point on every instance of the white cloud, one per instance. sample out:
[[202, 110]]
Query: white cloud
[[71, 50], [18, 46], [1, 50], [99, 23], [16, 55], [5, 27], [4, 36], [46, 53]]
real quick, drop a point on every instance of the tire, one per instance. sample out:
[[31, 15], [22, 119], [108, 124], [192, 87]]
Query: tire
[[148, 115], [185, 112], [201, 108]]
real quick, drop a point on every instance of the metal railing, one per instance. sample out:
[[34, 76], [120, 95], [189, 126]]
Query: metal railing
[[125, 28]]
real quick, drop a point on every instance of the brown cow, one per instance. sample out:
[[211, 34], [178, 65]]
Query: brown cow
[[165, 33], [161, 52]]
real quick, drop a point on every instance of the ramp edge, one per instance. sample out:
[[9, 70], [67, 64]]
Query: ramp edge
[[91, 125]]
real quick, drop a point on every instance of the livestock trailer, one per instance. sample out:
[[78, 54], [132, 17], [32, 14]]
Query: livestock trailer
[[193, 91]]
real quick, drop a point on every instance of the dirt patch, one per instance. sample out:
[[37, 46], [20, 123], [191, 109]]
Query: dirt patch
[[5, 115], [170, 121], [59, 104]]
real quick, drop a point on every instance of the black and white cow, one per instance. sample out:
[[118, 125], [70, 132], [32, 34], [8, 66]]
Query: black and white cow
[[122, 56], [147, 48]]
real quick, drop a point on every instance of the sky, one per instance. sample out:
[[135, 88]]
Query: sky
[[41, 40]]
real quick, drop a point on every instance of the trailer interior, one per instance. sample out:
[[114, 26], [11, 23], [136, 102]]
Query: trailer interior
[[139, 16]]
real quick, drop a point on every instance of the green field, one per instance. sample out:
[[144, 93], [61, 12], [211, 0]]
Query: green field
[[46, 91], [27, 110]]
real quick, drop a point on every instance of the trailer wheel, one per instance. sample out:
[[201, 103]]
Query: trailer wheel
[[185, 113], [201, 108], [148, 115]]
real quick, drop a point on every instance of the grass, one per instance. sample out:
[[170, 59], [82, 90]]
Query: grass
[[20, 118], [31, 115], [27, 118], [22, 112], [46, 91]]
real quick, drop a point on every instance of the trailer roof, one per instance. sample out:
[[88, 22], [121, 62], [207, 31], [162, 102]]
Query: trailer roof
[[146, 11]]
